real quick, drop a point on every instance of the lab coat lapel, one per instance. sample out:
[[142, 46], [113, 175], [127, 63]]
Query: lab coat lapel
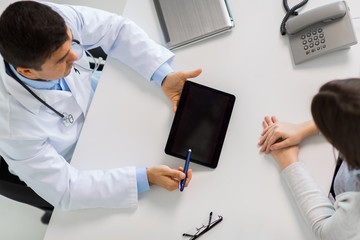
[[79, 83], [51, 97]]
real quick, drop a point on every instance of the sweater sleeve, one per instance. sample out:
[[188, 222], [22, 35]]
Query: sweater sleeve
[[327, 221]]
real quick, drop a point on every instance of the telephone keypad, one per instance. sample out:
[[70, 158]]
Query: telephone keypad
[[313, 41]]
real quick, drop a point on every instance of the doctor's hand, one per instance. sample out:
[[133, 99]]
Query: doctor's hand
[[166, 177], [174, 83]]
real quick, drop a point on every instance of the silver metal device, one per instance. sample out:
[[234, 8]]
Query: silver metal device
[[319, 31], [188, 21]]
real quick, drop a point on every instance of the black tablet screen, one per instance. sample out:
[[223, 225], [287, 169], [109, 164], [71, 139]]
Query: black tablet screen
[[200, 124]]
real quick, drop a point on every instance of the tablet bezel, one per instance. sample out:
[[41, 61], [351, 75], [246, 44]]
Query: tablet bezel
[[213, 161]]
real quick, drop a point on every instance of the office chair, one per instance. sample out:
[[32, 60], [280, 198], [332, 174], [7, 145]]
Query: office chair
[[97, 53], [13, 188]]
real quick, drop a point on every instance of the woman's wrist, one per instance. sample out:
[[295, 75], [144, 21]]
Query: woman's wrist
[[309, 129], [288, 162]]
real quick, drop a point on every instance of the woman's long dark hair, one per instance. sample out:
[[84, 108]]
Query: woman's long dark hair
[[336, 112]]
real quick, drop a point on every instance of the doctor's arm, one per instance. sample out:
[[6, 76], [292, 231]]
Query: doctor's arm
[[40, 166], [119, 37], [124, 40]]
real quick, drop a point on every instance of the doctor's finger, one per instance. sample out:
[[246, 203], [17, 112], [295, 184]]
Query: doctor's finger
[[192, 74], [189, 175], [175, 104], [171, 185], [175, 174]]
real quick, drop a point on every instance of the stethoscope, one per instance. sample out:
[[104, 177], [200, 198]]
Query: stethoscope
[[67, 119]]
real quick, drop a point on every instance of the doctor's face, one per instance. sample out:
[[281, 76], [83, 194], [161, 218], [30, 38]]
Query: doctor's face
[[59, 64]]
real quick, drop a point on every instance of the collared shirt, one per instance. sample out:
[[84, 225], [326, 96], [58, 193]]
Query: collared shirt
[[157, 77], [43, 85]]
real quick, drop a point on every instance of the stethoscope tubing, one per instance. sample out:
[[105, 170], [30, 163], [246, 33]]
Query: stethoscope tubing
[[30, 91], [66, 118]]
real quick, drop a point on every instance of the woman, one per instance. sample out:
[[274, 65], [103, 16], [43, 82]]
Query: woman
[[336, 114]]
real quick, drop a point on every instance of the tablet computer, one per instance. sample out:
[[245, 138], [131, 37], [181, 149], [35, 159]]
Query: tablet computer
[[200, 124]]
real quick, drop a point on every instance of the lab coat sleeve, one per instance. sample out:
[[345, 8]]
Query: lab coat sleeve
[[118, 36], [63, 186]]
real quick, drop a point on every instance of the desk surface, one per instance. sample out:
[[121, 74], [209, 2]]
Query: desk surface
[[129, 121]]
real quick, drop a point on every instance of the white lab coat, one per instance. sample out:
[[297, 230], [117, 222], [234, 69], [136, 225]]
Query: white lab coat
[[34, 141]]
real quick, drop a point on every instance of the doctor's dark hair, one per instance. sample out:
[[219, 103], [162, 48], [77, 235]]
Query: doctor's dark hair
[[336, 112], [29, 33]]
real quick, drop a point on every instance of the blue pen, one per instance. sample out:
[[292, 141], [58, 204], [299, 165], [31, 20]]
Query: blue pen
[[186, 167]]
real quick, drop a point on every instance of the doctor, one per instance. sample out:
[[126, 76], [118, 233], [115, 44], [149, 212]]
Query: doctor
[[45, 93]]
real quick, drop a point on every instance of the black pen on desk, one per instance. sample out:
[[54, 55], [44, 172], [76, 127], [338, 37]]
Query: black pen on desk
[[186, 167]]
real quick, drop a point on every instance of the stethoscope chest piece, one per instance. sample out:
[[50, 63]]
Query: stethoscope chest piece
[[68, 119]]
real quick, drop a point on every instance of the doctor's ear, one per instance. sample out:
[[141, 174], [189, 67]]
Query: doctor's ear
[[27, 72]]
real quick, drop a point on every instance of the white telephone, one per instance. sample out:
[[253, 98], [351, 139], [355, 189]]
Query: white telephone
[[319, 31]]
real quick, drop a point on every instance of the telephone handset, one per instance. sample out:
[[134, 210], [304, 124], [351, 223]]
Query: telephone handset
[[319, 31]]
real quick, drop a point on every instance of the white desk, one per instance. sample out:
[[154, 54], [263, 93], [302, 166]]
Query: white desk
[[129, 122]]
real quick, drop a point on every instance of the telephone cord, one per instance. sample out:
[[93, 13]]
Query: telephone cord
[[290, 12]]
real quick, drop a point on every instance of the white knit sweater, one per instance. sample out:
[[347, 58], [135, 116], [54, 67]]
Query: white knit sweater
[[338, 221]]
